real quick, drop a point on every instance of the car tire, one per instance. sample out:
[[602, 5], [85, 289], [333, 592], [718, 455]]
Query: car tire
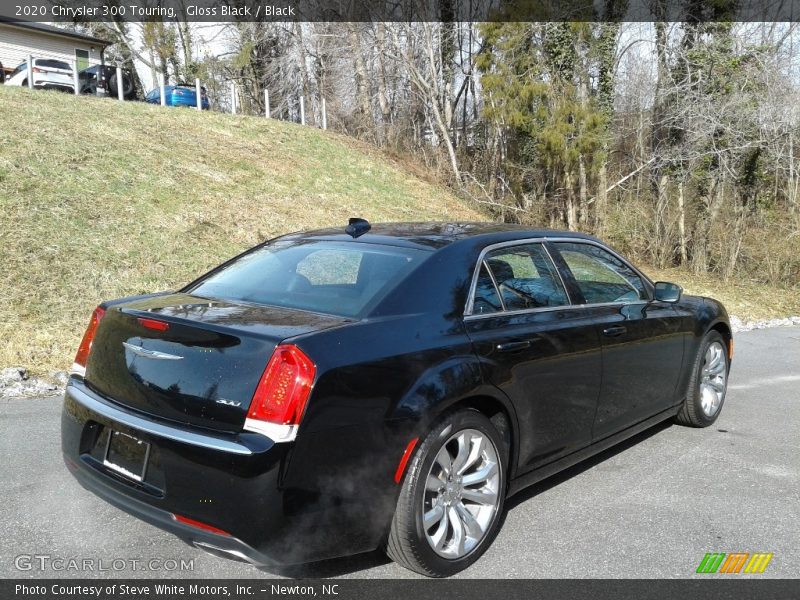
[[127, 85], [469, 501], [708, 383]]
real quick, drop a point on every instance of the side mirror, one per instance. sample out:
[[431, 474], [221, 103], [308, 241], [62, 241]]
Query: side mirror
[[668, 292]]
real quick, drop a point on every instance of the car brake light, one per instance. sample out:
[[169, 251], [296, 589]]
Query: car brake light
[[200, 525], [79, 366], [153, 324], [281, 395], [38, 70]]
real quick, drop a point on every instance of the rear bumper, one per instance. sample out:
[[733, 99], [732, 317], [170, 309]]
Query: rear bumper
[[241, 484], [181, 101], [51, 85], [228, 546]]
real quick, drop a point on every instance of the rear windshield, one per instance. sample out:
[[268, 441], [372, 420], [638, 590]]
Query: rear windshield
[[51, 64], [328, 277]]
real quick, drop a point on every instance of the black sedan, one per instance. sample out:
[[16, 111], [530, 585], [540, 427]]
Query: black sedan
[[332, 392]]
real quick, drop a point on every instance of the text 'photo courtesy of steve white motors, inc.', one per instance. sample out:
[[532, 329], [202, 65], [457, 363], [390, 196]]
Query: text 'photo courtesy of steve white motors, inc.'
[[175, 590]]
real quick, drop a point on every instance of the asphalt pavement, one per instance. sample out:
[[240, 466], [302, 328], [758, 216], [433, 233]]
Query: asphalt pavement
[[650, 508]]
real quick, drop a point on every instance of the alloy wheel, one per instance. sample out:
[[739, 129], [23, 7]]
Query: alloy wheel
[[461, 494], [713, 379]]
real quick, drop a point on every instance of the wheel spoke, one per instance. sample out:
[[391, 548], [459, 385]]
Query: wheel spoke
[[433, 483], [479, 497], [433, 516], [483, 474], [440, 535], [716, 357], [444, 461], [472, 526], [474, 454], [718, 369], [464, 443], [459, 535]]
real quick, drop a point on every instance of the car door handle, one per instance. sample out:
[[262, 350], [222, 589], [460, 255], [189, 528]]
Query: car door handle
[[615, 331], [513, 346]]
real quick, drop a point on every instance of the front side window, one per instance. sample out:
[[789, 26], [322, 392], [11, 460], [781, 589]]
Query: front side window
[[327, 277], [526, 277], [601, 276]]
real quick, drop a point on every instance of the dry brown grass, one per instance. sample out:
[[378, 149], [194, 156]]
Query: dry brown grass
[[744, 298], [100, 200]]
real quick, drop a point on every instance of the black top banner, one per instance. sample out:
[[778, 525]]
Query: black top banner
[[400, 10]]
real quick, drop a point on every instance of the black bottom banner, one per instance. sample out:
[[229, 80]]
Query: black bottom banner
[[416, 589]]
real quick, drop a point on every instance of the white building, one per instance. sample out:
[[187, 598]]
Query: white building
[[19, 39]]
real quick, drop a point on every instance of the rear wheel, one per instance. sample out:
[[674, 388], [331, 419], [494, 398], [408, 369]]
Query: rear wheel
[[708, 383], [452, 497], [127, 85]]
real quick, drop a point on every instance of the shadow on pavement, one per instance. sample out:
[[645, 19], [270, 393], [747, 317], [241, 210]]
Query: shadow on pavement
[[350, 564]]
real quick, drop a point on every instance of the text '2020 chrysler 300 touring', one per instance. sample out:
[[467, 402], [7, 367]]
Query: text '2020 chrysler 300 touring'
[[332, 392]]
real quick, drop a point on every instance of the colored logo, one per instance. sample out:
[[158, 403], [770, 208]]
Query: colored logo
[[735, 562]]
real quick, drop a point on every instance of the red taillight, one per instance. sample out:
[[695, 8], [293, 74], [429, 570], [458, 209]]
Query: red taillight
[[38, 70], [284, 387], [199, 525], [86, 343], [153, 324]]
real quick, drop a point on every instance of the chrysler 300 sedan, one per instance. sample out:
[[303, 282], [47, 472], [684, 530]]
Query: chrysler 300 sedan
[[336, 391]]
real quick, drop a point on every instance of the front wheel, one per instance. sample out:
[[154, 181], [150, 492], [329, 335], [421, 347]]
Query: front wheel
[[708, 383], [452, 497]]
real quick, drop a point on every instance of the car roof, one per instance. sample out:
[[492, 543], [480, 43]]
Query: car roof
[[435, 235]]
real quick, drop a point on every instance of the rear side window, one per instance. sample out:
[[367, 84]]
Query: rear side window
[[600, 275], [52, 64], [328, 277], [526, 277]]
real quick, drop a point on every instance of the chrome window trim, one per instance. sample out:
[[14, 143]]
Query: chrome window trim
[[496, 287], [543, 240], [570, 301]]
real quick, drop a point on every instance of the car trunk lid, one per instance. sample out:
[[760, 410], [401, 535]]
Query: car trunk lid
[[188, 359]]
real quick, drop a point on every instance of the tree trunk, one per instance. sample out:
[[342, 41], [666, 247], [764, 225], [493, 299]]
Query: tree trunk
[[662, 243], [582, 192], [383, 95], [361, 79], [308, 99], [682, 223], [572, 209], [601, 202]]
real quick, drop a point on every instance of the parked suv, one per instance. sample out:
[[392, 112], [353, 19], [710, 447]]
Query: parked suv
[[48, 74], [102, 79]]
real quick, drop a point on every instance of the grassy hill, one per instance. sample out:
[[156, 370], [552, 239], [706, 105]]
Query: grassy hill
[[100, 199]]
